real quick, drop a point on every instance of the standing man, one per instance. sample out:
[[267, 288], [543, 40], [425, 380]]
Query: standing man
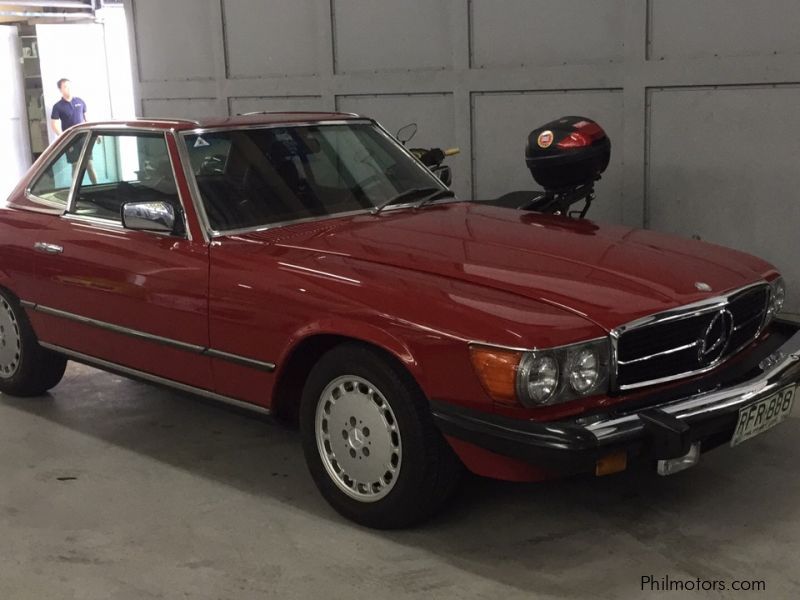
[[69, 111]]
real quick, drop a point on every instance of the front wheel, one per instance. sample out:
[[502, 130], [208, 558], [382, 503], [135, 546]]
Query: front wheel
[[370, 442], [26, 369]]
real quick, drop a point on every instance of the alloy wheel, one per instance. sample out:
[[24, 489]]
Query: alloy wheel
[[10, 341], [358, 438]]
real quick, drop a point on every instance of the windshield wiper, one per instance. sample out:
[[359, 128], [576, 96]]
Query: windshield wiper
[[435, 196], [405, 196]]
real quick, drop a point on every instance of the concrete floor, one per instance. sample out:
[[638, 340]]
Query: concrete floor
[[112, 489]]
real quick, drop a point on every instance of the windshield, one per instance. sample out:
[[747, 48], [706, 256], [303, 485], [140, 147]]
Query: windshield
[[255, 177]]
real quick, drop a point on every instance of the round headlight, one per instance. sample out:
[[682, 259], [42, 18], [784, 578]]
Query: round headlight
[[583, 370], [539, 378], [778, 296]]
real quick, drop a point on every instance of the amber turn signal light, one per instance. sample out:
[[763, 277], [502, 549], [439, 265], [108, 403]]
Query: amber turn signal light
[[497, 371], [611, 463]]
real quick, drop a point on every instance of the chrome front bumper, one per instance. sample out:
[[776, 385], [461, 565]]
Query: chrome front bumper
[[779, 369], [658, 430]]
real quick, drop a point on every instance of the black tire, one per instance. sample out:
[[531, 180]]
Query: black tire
[[30, 370], [429, 472]]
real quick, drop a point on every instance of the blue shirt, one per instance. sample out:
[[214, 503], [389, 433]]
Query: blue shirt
[[70, 113]]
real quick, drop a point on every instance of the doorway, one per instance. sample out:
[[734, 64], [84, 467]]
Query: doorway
[[35, 53]]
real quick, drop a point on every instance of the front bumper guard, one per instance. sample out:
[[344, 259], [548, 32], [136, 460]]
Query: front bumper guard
[[660, 432]]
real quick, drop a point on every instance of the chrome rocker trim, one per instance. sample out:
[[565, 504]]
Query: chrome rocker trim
[[193, 348], [117, 368]]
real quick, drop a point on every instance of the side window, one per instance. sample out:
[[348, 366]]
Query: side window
[[121, 168], [55, 181]]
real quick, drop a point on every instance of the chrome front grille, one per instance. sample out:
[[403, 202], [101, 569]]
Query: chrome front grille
[[689, 340]]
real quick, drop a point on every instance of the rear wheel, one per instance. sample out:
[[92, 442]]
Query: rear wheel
[[370, 442], [26, 369]]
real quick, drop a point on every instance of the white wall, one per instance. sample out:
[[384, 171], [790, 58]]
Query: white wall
[[13, 118]]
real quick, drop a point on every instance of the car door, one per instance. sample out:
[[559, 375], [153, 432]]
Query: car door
[[128, 297]]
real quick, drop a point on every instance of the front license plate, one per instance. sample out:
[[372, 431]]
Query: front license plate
[[764, 414]]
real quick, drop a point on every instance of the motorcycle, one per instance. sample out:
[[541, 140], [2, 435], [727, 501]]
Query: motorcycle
[[566, 157], [430, 157]]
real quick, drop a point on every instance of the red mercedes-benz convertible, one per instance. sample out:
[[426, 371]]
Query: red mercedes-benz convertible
[[309, 266]]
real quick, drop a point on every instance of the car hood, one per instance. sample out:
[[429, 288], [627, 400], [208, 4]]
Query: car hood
[[607, 274]]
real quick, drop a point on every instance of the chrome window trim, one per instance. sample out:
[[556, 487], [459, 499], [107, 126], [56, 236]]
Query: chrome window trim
[[197, 199], [65, 138], [187, 232], [93, 220], [62, 143], [116, 367], [115, 225], [282, 124], [99, 131], [125, 128], [142, 335], [694, 309], [194, 190]]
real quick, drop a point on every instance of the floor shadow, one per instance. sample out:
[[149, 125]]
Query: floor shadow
[[561, 537]]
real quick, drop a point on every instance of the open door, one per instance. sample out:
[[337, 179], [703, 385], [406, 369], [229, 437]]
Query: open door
[[75, 52], [13, 116]]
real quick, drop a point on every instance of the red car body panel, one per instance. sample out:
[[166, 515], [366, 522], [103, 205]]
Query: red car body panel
[[420, 284]]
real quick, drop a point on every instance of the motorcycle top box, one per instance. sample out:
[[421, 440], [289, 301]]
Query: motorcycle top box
[[567, 152]]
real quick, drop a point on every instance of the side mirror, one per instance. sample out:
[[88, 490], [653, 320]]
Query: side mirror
[[148, 216], [406, 133]]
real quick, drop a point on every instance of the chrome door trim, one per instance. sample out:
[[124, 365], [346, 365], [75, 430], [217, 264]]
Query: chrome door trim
[[240, 360], [55, 312], [115, 367], [149, 337]]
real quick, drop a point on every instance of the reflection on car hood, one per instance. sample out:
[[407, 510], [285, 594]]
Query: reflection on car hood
[[606, 273]]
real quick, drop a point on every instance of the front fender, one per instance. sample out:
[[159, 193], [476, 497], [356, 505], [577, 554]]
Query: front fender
[[438, 362], [355, 329]]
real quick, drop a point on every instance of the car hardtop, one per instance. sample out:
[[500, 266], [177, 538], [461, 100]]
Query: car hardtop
[[250, 119]]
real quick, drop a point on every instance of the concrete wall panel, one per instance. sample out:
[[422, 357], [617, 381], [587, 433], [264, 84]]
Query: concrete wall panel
[[515, 33], [375, 35], [172, 39], [183, 108], [271, 37], [723, 166], [682, 29]]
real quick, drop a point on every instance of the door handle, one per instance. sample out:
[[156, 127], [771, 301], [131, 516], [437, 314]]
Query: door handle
[[48, 248]]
